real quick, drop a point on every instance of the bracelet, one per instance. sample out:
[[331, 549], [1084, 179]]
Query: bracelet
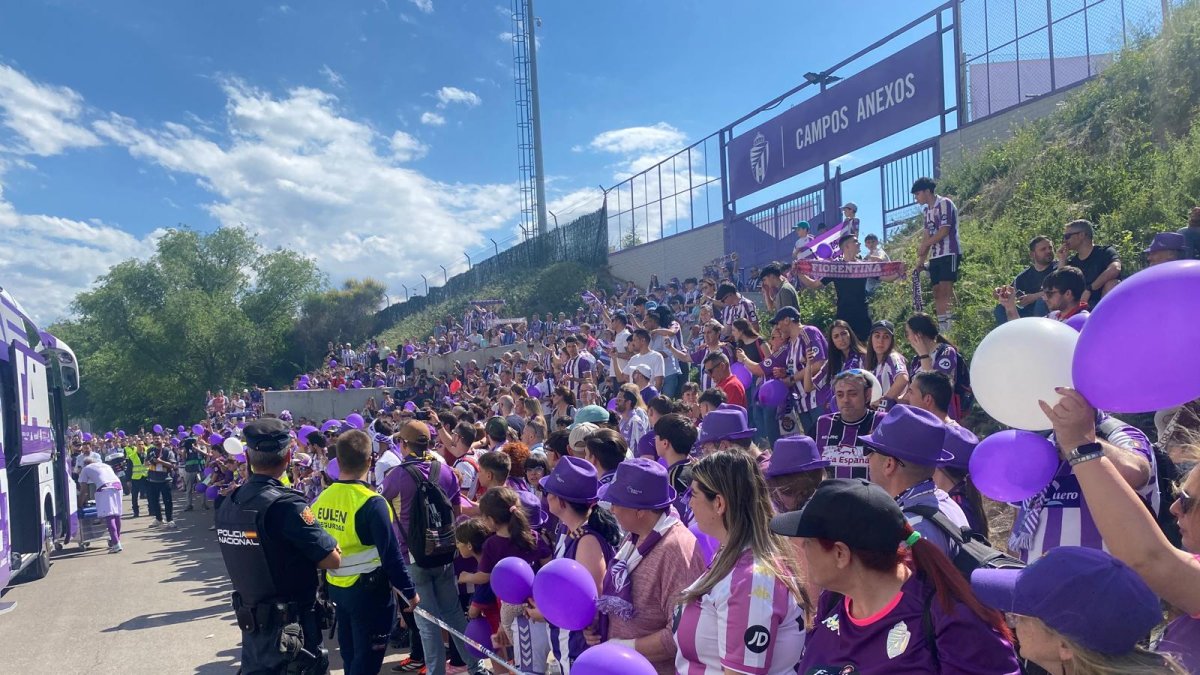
[[1085, 453], [924, 356]]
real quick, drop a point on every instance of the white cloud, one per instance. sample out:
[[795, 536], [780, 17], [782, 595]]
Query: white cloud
[[432, 119], [301, 174], [332, 77], [424, 5], [449, 95], [661, 137], [406, 147], [43, 118]]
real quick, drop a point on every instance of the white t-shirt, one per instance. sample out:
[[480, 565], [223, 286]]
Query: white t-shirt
[[652, 359], [388, 460], [82, 456], [621, 344], [98, 474]]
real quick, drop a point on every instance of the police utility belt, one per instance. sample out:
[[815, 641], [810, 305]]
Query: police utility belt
[[266, 615]]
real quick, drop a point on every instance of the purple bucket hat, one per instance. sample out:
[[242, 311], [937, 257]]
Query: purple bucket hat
[[960, 443], [640, 483], [531, 504], [725, 424], [793, 454], [573, 479], [911, 435]]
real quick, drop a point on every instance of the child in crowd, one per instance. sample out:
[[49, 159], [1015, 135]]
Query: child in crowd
[[470, 536]]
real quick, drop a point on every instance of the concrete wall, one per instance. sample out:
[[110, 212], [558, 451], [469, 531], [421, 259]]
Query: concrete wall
[[681, 255], [956, 145], [439, 364], [320, 404]]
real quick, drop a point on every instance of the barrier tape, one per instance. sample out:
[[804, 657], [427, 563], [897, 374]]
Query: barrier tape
[[483, 650]]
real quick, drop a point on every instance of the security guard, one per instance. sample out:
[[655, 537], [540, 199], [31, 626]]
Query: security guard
[[272, 547], [137, 478], [361, 522]]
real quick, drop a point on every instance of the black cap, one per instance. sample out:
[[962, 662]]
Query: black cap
[[788, 312], [267, 435], [883, 324], [854, 511]]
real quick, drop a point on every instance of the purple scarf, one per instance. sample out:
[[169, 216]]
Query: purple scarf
[[617, 597]]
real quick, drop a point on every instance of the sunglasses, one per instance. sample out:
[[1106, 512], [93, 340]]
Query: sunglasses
[[867, 450], [1186, 501], [1067, 236]]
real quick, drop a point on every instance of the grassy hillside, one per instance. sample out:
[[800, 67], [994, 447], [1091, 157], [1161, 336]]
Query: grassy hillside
[[554, 289]]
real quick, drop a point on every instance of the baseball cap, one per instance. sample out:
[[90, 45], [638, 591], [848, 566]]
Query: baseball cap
[[884, 324], [802, 225], [788, 312], [415, 432], [267, 434], [854, 511], [642, 368], [590, 413], [579, 432], [851, 205], [1060, 589]]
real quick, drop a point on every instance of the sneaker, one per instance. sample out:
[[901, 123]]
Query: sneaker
[[212, 528], [171, 525], [409, 666], [155, 523], [115, 548]]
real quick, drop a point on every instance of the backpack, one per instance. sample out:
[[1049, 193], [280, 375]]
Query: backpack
[[974, 551], [963, 400], [1168, 475], [430, 533]]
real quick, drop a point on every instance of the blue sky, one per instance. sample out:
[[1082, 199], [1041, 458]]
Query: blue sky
[[377, 136]]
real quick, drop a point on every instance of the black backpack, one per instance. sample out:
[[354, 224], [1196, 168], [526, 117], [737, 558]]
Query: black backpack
[[962, 381], [430, 533], [974, 550]]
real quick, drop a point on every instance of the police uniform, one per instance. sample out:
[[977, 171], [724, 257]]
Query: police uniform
[[361, 522], [137, 478], [271, 544]]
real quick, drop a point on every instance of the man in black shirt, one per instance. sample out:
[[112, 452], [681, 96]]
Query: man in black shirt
[[1191, 233], [1101, 265], [851, 293], [1027, 287]]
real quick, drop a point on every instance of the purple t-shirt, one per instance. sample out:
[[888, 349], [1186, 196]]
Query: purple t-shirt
[[1182, 640], [497, 548], [894, 640], [398, 488]]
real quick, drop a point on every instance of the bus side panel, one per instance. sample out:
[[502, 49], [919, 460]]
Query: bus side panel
[[5, 533], [37, 435]]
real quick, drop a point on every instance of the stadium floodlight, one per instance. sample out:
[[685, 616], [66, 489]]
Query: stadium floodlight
[[820, 78]]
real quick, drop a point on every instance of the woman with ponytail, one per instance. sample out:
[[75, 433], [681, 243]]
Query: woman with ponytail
[[589, 536], [893, 603]]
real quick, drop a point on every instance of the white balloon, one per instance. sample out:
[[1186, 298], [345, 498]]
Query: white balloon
[[1020, 363], [232, 445]]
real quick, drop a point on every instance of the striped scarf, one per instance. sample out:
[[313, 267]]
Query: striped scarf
[[917, 300]]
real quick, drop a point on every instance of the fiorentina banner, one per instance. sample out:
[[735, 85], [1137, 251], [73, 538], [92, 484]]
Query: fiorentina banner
[[902, 90], [840, 269]]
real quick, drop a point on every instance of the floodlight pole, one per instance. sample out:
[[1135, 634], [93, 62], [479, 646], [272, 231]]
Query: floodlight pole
[[535, 107]]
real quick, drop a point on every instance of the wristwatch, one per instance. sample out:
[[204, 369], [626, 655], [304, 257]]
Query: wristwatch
[[1085, 453]]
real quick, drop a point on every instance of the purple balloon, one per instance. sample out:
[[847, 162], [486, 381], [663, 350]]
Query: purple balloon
[[512, 580], [1164, 299], [410, 406], [332, 363], [357, 384], [534, 392], [1077, 321], [215, 439], [355, 420], [565, 594], [330, 425], [391, 360], [240, 457], [108, 435], [120, 433], [341, 387], [773, 393], [611, 658], [332, 469], [612, 405], [824, 251], [157, 428], [1013, 465], [742, 374], [708, 545], [303, 386], [181, 435], [201, 488], [212, 492], [180, 428], [197, 429], [379, 383], [87, 438], [479, 630], [175, 442]]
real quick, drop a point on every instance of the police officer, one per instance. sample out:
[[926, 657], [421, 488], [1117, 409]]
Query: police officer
[[361, 522], [272, 547]]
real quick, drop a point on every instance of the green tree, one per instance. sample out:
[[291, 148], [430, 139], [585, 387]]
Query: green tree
[[205, 312], [339, 315]]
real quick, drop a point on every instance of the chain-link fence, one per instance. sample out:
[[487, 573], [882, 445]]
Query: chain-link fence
[[1013, 51], [583, 240]]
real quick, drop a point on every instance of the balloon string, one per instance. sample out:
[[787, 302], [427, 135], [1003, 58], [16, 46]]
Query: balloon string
[[483, 650]]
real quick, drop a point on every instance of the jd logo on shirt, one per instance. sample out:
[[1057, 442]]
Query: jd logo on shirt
[[757, 639]]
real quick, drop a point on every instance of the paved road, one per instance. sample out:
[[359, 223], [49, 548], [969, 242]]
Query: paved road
[[161, 606]]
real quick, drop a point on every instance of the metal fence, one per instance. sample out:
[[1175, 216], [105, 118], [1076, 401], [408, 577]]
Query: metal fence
[[583, 240], [677, 194], [1012, 51]]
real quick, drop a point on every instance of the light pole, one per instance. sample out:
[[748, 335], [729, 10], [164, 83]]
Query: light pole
[[497, 246], [405, 292], [536, 110], [387, 299], [445, 275], [554, 217], [468, 255], [426, 285]]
